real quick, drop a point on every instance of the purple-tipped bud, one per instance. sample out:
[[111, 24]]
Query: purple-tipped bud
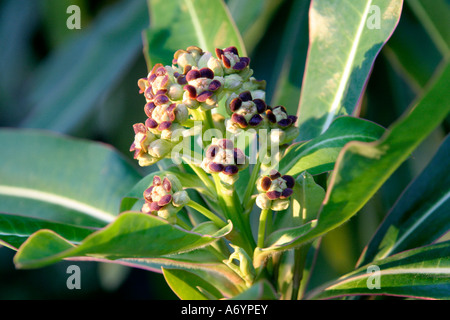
[[139, 128], [205, 95], [273, 195], [284, 123], [156, 181], [148, 109], [193, 74], [150, 123], [207, 73], [164, 200], [161, 71], [265, 183], [274, 174], [167, 185], [293, 119], [239, 65], [225, 144], [230, 170], [215, 167], [260, 105], [232, 50], [154, 206], [214, 85], [219, 53], [286, 193], [245, 96], [235, 104], [164, 125], [148, 194], [181, 80], [191, 90], [271, 117], [290, 181], [226, 61], [245, 60], [255, 120], [161, 99], [240, 120]]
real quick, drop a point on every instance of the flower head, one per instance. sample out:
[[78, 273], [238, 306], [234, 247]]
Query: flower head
[[275, 191], [165, 197], [226, 160], [247, 111]]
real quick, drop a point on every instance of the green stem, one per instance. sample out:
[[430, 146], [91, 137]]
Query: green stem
[[252, 183], [209, 119], [262, 226], [208, 214], [202, 175], [182, 224]]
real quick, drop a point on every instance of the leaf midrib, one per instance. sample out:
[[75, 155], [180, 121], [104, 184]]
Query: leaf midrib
[[58, 200]]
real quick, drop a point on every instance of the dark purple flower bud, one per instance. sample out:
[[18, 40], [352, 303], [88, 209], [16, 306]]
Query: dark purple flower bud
[[235, 104], [191, 90], [230, 170], [181, 80], [245, 96], [239, 65], [284, 123], [292, 118], [274, 174], [219, 53], [215, 167], [225, 144], [207, 73], [161, 71], [245, 60], [271, 117], [161, 99], [154, 206], [226, 61], [148, 194], [232, 50], [148, 109], [273, 195], [239, 119], [205, 95], [255, 120], [148, 93], [156, 181], [214, 85], [161, 91], [193, 74], [260, 105], [286, 193], [164, 200], [139, 128], [167, 185], [265, 183], [164, 125], [290, 181], [152, 78], [150, 123]]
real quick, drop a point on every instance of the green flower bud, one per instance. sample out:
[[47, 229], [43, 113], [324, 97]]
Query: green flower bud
[[275, 191]]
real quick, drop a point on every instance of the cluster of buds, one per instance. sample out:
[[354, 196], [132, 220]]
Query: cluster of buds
[[275, 191], [225, 160], [165, 197], [247, 110]]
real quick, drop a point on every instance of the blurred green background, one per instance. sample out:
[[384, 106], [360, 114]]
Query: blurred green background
[[84, 83]]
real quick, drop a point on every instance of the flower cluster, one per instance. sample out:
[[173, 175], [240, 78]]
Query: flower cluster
[[165, 197], [225, 160], [275, 191], [247, 110]]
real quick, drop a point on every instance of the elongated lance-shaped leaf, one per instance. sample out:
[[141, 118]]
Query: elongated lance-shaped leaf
[[62, 179], [131, 235], [15, 229], [362, 168], [319, 154], [421, 214], [74, 78], [419, 273], [179, 24], [345, 38]]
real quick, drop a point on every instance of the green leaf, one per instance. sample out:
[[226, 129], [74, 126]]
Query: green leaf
[[179, 24], [67, 87], [345, 38], [419, 273], [319, 154], [420, 215], [362, 167], [290, 61], [131, 235], [434, 17], [15, 229], [188, 286], [62, 179]]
